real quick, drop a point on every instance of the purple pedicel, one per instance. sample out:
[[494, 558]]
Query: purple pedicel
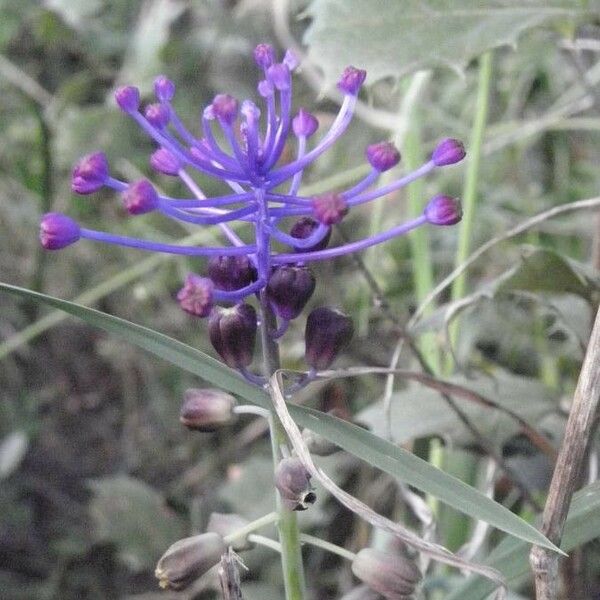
[[244, 146]]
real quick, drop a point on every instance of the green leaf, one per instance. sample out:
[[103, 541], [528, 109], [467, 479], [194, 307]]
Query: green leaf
[[391, 39], [511, 555], [356, 440]]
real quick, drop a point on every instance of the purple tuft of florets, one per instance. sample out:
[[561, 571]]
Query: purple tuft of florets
[[164, 89], [90, 173], [279, 75], [443, 210], [383, 156], [196, 296], [304, 124], [329, 208], [225, 108], [140, 198], [164, 161], [351, 80], [58, 231], [158, 115], [264, 55], [448, 152], [128, 98]]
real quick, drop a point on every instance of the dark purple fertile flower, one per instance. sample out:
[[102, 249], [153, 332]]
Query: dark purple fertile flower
[[306, 228], [383, 156], [196, 296], [207, 409], [292, 481], [58, 231], [140, 198], [443, 210], [232, 332], [448, 152], [90, 173], [328, 331], [231, 272], [289, 289]]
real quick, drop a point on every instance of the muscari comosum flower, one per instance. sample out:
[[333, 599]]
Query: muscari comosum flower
[[263, 192]]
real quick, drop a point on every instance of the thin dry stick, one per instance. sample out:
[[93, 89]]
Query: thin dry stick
[[568, 467], [430, 549]]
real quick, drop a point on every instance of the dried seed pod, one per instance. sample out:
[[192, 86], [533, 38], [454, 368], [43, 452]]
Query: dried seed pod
[[188, 559], [292, 480], [207, 409]]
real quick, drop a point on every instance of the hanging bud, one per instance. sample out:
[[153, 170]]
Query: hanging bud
[[188, 559], [231, 273], [383, 156], [232, 332], [292, 480], [128, 98], [329, 208], [351, 80], [289, 289], [140, 197], [207, 409], [228, 524], [304, 228], [304, 124], [164, 161], [158, 115], [196, 296], [327, 332], [58, 231], [164, 89], [443, 210], [448, 152], [392, 575], [90, 173]]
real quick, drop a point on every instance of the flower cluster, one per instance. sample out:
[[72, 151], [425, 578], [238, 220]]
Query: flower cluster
[[243, 147]]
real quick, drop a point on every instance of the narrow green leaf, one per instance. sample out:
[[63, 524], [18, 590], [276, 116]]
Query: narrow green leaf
[[363, 444], [511, 556]]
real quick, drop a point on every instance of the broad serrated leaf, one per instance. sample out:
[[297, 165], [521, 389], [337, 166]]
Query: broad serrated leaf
[[391, 39], [510, 557], [372, 449]]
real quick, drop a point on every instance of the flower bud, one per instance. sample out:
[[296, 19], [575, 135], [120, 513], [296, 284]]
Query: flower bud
[[443, 210], [158, 115], [292, 480], [58, 231], [231, 273], [328, 331], [304, 124], [383, 156], [265, 88], [317, 444], [304, 228], [196, 296], [128, 98], [227, 524], [448, 152], [289, 289], [140, 197], [90, 173], [392, 575], [279, 75], [329, 208], [164, 161], [290, 60], [264, 55], [232, 332], [206, 409], [351, 80], [164, 89], [188, 559], [225, 108]]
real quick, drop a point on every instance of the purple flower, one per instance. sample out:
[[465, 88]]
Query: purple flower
[[246, 147]]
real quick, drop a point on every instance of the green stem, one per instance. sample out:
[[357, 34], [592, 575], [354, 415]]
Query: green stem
[[289, 534], [333, 548], [470, 188], [267, 519]]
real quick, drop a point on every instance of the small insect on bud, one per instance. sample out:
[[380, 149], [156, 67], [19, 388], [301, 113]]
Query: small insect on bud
[[327, 332], [448, 152], [443, 210], [158, 115], [304, 228], [264, 55], [290, 288], [383, 156], [292, 480], [231, 273], [351, 80], [232, 332], [164, 89], [188, 559], [128, 98], [392, 575], [58, 231], [225, 108], [196, 296], [228, 524], [207, 409], [90, 173], [140, 197], [304, 124], [164, 161], [329, 208]]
